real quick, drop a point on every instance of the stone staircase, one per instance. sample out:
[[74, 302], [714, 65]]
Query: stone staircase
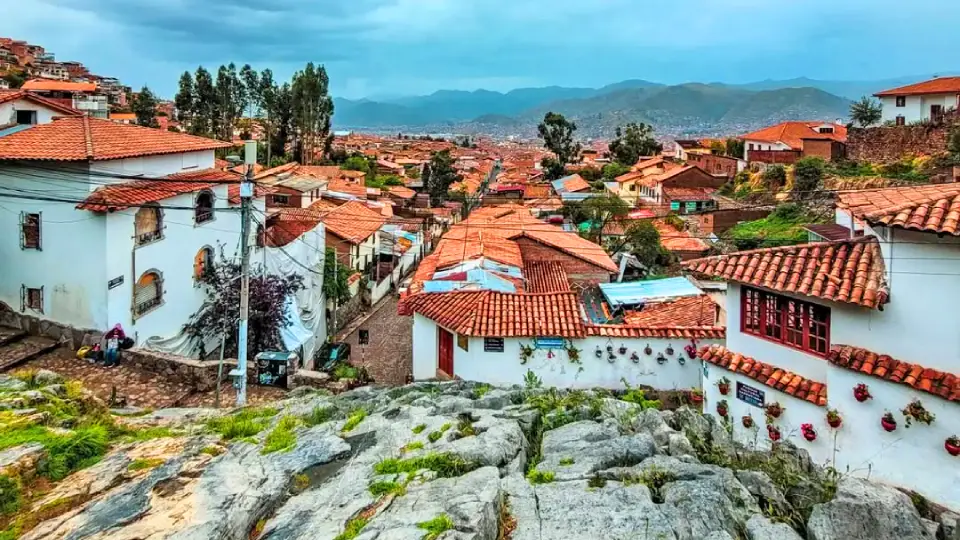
[[16, 347]]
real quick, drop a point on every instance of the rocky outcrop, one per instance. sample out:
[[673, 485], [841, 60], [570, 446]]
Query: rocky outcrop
[[452, 460]]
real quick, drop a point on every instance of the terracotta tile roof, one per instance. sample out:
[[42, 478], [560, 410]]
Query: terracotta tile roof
[[402, 192], [546, 277], [494, 314], [938, 383], [793, 133], [84, 138], [683, 311], [50, 85], [831, 231], [536, 191], [850, 271], [353, 222], [677, 241], [931, 208], [574, 183], [940, 85], [123, 116], [343, 186], [463, 243], [282, 233], [770, 375], [7, 97], [670, 332], [688, 193], [125, 195]]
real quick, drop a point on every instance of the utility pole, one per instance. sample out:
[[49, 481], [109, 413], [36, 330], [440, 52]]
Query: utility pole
[[246, 198]]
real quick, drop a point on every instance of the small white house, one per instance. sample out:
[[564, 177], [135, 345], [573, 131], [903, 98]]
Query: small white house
[[809, 323], [923, 101], [24, 108]]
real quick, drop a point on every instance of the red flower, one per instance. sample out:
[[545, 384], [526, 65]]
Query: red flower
[[861, 392], [888, 422], [809, 433]]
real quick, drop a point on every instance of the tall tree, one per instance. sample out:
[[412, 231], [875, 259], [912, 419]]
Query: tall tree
[[205, 108], [866, 111], [312, 112], [281, 119], [225, 104], [600, 210], [633, 141], [268, 93], [438, 175], [185, 100], [251, 89], [144, 105], [557, 134], [643, 241], [735, 147]]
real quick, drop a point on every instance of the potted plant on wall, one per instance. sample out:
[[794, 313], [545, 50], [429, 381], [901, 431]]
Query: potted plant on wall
[[888, 422], [773, 432], [722, 408], [648, 350], [833, 418], [861, 392], [916, 411], [623, 349], [696, 397], [691, 348], [774, 410], [526, 353], [952, 445], [747, 421], [723, 385], [809, 433]]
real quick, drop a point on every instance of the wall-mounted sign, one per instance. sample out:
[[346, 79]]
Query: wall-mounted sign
[[549, 343], [115, 282], [493, 344], [749, 394]]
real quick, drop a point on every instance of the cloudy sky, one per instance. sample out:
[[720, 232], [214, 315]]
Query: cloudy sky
[[404, 47]]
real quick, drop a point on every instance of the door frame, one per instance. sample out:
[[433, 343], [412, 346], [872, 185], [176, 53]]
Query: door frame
[[445, 352]]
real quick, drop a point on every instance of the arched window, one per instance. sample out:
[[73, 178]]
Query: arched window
[[202, 262], [148, 225], [203, 207], [148, 293]]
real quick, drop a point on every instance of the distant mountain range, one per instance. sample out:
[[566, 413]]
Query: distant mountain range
[[692, 109]]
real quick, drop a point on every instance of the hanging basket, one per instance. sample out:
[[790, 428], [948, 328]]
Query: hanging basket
[[774, 433], [861, 393], [747, 421], [647, 350], [952, 446], [809, 433], [889, 423], [635, 358]]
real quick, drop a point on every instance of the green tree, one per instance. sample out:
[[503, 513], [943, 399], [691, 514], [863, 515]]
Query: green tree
[[185, 100], [590, 174], [144, 105], [953, 141], [735, 147], [280, 113], [312, 112], [15, 79], [205, 104], [600, 210], [438, 175], [775, 177], [252, 89], [633, 141], [808, 176], [643, 241], [718, 148], [557, 134], [866, 111], [335, 276], [356, 162], [612, 170]]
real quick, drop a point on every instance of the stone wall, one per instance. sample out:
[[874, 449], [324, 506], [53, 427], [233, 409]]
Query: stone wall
[[345, 314], [200, 375], [891, 144], [35, 326]]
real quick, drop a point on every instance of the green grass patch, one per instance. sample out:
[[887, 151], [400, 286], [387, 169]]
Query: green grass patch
[[353, 528], [536, 476], [246, 423], [354, 420], [379, 489], [566, 462], [11, 437], [411, 446], [282, 438], [301, 482], [148, 434], [141, 464], [319, 415], [345, 371], [436, 526], [28, 376], [434, 436], [783, 227], [419, 429], [212, 451], [445, 465], [69, 453], [481, 390], [11, 495]]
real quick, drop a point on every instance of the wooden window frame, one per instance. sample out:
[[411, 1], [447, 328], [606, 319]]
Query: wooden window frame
[[148, 237], [26, 302], [774, 317], [25, 242], [900, 120]]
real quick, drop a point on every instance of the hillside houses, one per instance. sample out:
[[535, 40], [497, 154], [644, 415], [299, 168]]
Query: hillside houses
[[789, 141]]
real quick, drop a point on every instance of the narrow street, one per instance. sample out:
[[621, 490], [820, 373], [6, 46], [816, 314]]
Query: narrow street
[[389, 355]]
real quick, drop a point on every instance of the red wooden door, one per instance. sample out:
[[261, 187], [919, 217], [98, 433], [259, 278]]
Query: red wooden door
[[445, 351]]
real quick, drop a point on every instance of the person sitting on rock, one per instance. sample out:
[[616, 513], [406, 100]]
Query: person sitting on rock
[[113, 337]]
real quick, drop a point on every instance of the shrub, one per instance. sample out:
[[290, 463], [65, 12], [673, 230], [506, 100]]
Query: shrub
[[808, 176], [536, 476], [566, 462], [345, 371], [282, 438], [11, 496], [789, 211], [436, 526], [775, 177], [69, 453]]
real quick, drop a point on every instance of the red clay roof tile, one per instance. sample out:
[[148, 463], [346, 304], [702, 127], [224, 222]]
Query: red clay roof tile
[[671, 332], [930, 208], [353, 222], [546, 277], [940, 85], [124, 195], [772, 376], [939, 383], [793, 133], [7, 97], [849, 271], [683, 311]]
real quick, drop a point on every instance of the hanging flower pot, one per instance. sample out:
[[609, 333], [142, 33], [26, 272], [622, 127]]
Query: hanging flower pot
[[747, 421], [691, 351], [834, 419], [724, 385], [952, 445], [634, 357], [696, 397], [661, 359], [623, 349], [809, 433], [647, 350], [610, 349], [861, 392], [916, 411], [669, 350], [598, 353], [888, 422], [774, 410], [682, 361], [773, 432], [722, 408], [611, 358]]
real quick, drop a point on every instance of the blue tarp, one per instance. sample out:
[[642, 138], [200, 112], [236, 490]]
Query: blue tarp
[[639, 292], [476, 280]]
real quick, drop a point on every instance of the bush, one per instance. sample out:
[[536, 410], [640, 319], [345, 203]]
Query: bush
[[282, 438], [11, 496], [791, 211], [436, 526], [246, 423], [536, 476], [775, 177], [808, 176]]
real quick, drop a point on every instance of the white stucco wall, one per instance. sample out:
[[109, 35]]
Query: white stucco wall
[[505, 368], [8, 111], [761, 145], [155, 166], [916, 108]]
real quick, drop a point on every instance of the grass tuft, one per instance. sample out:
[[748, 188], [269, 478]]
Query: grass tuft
[[445, 465], [436, 526], [536, 476], [354, 420], [246, 423], [319, 415], [212, 451], [411, 446], [566, 462], [141, 464], [379, 489], [282, 438], [353, 528], [419, 429]]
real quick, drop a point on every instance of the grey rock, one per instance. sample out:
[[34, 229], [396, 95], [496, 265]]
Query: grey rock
[[932, 527], [593, 447], [18, 454], [453, 404], [761, 528], [718, 535], [34, 397], [45, 377], [678, 445], [495, 399], [58, 390], [950, 522], [692, 422], [762, 488], [865, 510]]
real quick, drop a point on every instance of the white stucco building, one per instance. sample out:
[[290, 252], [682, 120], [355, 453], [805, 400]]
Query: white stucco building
[[22, 108], [923, 101], [111, 223], [808, 323]]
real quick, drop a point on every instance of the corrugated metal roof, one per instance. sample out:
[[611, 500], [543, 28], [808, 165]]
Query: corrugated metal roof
[[638, 292]]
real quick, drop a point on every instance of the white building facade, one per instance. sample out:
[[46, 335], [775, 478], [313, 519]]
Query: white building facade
[[921, 102]]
